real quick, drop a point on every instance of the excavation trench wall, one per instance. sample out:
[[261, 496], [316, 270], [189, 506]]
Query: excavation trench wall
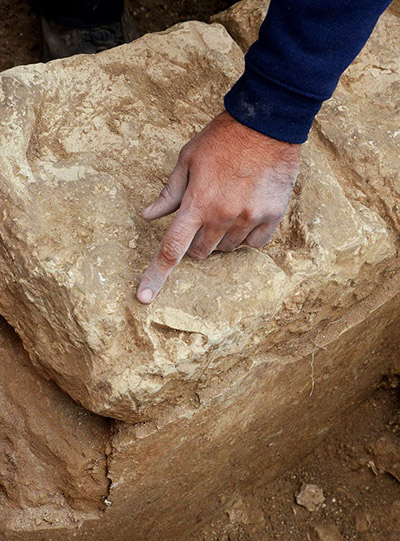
[[130, 422]]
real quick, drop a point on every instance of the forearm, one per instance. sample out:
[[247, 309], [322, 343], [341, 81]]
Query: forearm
[[303, 48]]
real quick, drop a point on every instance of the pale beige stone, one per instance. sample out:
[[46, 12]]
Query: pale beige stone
[[310, 496], [360, 125], [326, 532], [170, 475], [87, 142], [243, 20]]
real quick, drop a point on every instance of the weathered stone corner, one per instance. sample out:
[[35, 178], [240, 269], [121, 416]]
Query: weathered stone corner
[[243, 20]]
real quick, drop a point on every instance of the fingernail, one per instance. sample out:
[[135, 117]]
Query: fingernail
[[146, 296]]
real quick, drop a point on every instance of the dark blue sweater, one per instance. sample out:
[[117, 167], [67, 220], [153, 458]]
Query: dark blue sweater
[[303, 48]]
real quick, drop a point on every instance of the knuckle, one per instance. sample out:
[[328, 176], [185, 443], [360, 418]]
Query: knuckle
[[224, 215], [166, 192], [184, 153], [198, 253], [170, 252], [275, 215], [250, 215]]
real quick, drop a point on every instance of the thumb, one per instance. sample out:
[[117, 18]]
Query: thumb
[[171, 195]]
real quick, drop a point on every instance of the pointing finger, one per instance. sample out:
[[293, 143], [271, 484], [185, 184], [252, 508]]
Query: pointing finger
[[172, 248]]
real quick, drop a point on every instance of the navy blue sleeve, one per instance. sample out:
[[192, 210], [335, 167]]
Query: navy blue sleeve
[[303, 48]]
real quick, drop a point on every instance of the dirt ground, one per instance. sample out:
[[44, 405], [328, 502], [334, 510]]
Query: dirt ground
[[20, 37], [358, 469], [358, 465]]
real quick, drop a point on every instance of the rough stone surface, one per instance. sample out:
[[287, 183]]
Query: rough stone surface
[[362, 521], [365, 108], [243, 20], [386, 454], [326, 532], [89, 141], [245, 360], [311, 497], [92, 141], [52, 451], [169, 475]]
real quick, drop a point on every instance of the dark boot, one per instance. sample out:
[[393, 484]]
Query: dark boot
[[61, 41]]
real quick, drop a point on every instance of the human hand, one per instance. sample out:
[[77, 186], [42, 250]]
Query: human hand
[[231, 185]]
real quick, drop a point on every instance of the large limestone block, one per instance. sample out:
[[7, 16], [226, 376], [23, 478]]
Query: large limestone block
[[170, 475], [360, 125], [239, 435], [87, 143], [243, 20], [52, 451]]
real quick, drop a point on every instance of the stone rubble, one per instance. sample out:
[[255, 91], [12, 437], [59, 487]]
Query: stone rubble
[[386, 454], [326, 532], [310, 496]]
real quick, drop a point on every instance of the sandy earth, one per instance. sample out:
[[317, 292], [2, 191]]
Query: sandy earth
[[20, 39], [362, 499]]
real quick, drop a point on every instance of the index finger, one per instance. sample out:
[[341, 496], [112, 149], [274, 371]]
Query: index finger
[[173, 247]]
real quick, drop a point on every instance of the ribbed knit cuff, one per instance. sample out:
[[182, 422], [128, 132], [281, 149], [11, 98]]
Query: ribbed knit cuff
[[271, 108]]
